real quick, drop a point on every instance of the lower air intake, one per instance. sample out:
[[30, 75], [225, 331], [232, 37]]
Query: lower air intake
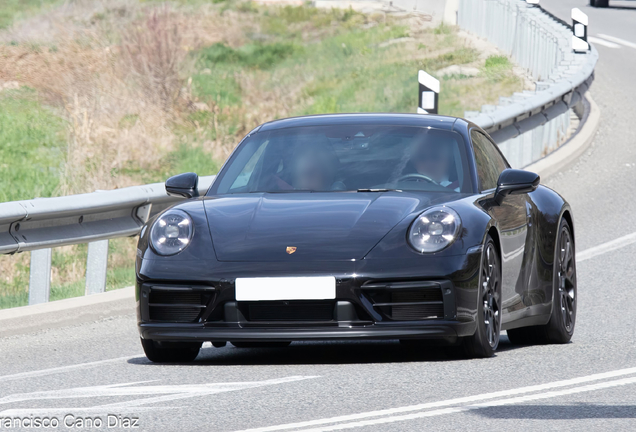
[[176, 306], [174, 314], [427, 304], [416, 312], [410, 300], [421, 295], [290, 311]]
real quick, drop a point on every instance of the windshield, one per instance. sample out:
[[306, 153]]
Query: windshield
[[347, 158]]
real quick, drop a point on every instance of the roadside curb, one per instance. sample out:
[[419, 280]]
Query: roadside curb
[[62, 313], [566, 155]]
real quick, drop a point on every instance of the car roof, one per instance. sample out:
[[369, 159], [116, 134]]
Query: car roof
[[419, 120]]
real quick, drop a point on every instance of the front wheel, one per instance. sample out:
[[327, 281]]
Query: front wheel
[[170, 352], [560, 328], [485, 341]]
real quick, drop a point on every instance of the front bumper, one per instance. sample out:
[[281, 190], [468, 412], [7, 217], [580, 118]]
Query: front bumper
[[384, 300], [423, 298], [447, 331]]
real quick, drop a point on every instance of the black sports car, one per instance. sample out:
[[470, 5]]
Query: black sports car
[[358, 226]]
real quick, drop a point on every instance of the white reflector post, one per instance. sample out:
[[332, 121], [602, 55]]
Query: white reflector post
[[579, 31], [429, 93]]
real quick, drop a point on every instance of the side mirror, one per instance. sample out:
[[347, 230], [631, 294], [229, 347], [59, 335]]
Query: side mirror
[[184, 185], [514, 181]]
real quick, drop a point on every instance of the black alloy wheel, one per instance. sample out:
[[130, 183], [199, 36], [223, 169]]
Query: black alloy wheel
[[566, 281], [560, 328], [485, 341], [491, 312]]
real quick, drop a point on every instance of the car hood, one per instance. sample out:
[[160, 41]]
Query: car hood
[[320, 226]]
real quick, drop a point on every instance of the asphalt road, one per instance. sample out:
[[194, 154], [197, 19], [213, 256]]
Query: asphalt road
[[96, 369]]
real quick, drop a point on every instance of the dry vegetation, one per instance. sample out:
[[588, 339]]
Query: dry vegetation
[[140, 90], [120, 72], [116, 95]]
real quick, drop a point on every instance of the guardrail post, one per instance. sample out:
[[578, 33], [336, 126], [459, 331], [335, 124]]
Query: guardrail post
[[96, 266], [40, 276]]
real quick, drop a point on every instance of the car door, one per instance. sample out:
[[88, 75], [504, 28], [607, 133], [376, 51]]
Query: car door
[[512, 218]]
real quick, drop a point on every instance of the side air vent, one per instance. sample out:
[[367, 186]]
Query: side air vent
[[177, 304], [407, 301]]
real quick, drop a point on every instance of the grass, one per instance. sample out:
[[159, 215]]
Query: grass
[[362, 73], [14, 285], [252, 56], [12, 9], [68, 273], [32, 147], [245, 64], [497, 68], [190, 158]]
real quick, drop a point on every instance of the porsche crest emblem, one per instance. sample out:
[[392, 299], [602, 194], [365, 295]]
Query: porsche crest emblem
[[291, 249]]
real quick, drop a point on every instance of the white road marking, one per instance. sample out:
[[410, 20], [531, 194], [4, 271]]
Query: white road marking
[[598, 41], [62, 369], [450, 402], [518, 400], [618, 40], [161, 393], [606, 247]]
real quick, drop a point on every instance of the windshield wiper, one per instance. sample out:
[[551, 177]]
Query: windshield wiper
[[379, 190], [280, 191]]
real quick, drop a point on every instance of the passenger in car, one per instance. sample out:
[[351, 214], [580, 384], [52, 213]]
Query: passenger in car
[[434, 159], [315, 167]]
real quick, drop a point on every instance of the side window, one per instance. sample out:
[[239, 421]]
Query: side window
[[489, 161], [245, 175]]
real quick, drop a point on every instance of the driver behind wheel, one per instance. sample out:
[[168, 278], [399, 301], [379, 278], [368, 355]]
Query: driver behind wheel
[[434, 159], [314, 168]]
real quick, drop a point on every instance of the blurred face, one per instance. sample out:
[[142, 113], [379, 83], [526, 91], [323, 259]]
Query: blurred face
[[433, 161], [311, 172]]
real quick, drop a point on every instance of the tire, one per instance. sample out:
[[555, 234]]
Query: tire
[[485, 341], [260, 344], [560, 328], [170, 352]]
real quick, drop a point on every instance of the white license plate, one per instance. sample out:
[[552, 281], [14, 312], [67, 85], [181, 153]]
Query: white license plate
[[286, 288]]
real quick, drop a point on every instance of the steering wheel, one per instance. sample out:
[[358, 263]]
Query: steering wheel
[[416, 176]]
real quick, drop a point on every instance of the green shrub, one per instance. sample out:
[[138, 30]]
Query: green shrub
[[497, 61], [253, 55], [497, 67]]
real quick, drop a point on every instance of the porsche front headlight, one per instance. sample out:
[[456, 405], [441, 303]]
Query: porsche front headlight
[[171, 233], [435, 229]]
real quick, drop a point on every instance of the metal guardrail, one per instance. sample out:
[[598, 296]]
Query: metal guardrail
[[542, 44], [38, 225], [535, 39]]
